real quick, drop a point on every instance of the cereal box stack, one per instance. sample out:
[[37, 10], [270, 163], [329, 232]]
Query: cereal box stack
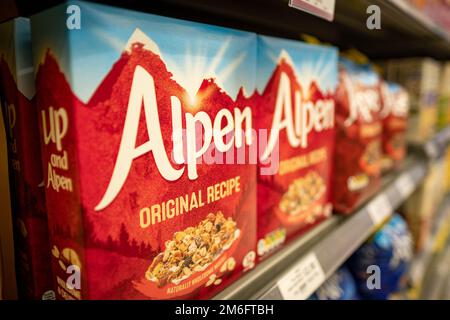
[[295, 119], [358, 135], [394, 114], [25, 169], [141, 136]]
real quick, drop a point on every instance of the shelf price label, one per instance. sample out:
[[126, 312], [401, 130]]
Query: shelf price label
[[405, 185], [446, 135], [321, 8], [379, 209], [305, 278], [432, 149]]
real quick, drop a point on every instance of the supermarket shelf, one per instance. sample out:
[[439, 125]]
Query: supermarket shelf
[[446, 291], [437, 276], [331, 243], [404, 30], [436, 146], [439, 233], [247, 287], [426, 270], [422, 20]]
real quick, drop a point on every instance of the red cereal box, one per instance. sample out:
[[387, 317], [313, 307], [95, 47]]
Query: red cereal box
[[394, 115], [295, 119], [358, 135], [17, 101], [143, 118], [8, 285]]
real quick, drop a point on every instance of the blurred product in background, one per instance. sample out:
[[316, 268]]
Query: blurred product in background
[[444, 97], [420, 77], [358, 136], [421, 206], [380, 265], [437, 10], [394, 114], [446, 176], [339, 286]]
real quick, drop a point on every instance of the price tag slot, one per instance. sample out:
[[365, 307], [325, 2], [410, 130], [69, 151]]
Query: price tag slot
[[432, 149], [379, 209], [321, 8], [405, 185], [305, 278]]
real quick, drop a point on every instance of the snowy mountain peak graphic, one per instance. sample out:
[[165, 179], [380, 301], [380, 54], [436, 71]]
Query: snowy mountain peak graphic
[[284, 56], [140, 37]]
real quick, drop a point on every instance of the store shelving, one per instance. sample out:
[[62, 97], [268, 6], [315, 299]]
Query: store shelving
[[334, 240], [437, 276], [404, 30], [434, 147], [331, 243], [438, 235], [423, 21], [425, 267], [446, 290]]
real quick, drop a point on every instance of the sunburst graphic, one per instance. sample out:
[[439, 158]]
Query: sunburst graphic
[[197, 65], [198, 62]]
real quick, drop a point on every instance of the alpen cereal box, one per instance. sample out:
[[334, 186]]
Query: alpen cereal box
[[394, 115], [357, 171], [143, 119], [295, 118], [17, 101]]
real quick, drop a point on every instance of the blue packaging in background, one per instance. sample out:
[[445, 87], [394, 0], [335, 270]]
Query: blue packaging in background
[[379, 266], [340, 286]]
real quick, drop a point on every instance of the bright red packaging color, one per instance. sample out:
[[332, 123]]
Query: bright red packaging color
[[395, 121], [125, 212], [357, 172], [296, 110], [32, 248]]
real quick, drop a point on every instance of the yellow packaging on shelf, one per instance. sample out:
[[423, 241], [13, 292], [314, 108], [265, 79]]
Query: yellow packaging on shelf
[[356, 56], [310, 39], [422, 205], [313, 40], [8, 287], [420, 77], [444, 97]]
